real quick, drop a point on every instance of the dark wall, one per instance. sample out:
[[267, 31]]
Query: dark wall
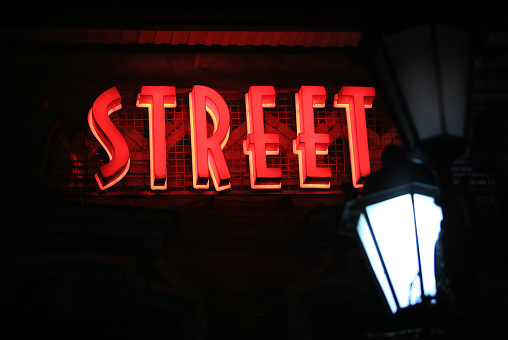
[[239, 267]]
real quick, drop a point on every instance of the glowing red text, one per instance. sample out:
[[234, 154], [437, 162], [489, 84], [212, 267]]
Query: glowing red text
[[207, 156], [355, 100], [156, 99], [110, 138], [208, 161], [308, 143], [258, 144]]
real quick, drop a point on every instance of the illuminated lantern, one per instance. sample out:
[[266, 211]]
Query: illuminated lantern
[[424, 73], [398, 229]]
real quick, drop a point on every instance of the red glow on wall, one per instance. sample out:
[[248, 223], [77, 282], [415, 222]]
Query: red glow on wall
[[110, 138], [308, 143], [259, 144], [208, 160], [156, 99], [355, 100]]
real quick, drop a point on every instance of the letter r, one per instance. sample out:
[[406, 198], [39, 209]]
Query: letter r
[[207, 157]]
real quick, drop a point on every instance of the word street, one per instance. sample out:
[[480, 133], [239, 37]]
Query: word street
[[208, 161]]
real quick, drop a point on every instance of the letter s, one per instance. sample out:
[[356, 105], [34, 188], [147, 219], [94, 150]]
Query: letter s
[[110, 138]]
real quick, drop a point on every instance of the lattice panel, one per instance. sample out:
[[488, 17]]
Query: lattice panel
[[133, 124]]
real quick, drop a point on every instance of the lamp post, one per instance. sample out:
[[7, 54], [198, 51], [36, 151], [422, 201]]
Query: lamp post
[[424, 75]]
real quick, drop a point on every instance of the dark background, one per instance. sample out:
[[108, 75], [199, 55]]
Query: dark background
[[220, 266]]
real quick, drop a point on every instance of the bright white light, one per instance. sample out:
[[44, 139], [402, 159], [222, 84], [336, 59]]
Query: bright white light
[[375, 261], [393, 227], [428, 222]]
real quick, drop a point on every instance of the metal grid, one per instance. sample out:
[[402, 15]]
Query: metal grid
[[133, 124]]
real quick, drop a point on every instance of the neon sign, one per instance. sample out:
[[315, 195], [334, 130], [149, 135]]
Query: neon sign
[[208, 160]]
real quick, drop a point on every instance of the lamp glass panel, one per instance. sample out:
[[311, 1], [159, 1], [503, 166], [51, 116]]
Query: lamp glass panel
[[397, 103], [412, 58], [393, 227], [454, 55], [375, 261], [428, 222]]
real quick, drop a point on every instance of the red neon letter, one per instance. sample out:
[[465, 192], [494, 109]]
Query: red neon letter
[[156, 98], [258, 143], [207, 157], [110, 138], [355, 100], [308, 143]]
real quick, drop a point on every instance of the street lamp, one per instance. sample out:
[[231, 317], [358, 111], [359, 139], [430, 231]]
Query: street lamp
[[398, 229], [424, 75]]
